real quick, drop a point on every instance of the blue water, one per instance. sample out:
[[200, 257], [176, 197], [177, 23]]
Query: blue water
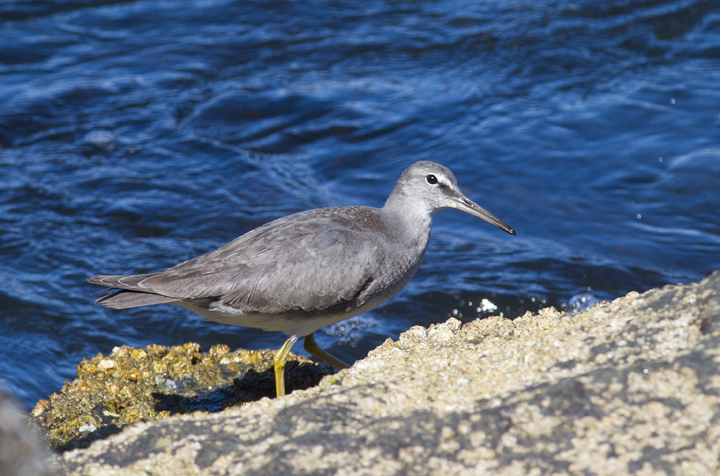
[[136, 134]]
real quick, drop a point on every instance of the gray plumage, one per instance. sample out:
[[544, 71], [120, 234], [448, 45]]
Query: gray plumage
[[303, 271]]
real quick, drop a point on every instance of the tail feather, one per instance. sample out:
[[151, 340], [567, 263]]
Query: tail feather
[[129, 299], [120, 281], [130, 294]]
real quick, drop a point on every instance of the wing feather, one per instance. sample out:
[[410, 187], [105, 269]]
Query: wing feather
[[312, 260]]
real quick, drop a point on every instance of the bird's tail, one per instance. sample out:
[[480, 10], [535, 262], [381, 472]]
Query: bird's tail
[[129, 299], [130, 294]]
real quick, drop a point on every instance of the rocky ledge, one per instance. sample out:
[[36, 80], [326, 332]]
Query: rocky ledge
[[629, 387], [132, 385]]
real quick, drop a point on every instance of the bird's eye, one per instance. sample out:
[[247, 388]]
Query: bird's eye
[[431, 179]]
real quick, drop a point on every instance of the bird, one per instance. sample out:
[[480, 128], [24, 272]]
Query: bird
[[307, 270]]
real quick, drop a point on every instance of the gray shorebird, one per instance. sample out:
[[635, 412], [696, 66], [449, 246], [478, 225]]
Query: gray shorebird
[[308, 270]]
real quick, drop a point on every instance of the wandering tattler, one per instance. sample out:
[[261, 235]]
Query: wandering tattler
[[308, 270]]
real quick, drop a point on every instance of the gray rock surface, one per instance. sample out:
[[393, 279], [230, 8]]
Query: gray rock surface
[[22, 453], [630, 387]]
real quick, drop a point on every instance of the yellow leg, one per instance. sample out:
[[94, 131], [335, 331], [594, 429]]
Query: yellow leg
[[315, 350], [280, 358]]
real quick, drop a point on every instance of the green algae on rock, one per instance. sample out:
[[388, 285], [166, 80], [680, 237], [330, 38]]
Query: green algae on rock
[[132, 385]]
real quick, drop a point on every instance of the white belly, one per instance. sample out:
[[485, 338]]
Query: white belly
[[291, 324]]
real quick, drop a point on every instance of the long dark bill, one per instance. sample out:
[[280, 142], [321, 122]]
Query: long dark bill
[[468, 206]]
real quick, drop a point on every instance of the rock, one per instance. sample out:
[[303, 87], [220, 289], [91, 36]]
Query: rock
[[22, 453], [629, 387], [148, 384]]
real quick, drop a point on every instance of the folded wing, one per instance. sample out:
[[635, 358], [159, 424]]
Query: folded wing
[[313, 260]]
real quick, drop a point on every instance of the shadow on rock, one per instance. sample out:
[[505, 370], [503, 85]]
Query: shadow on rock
[[251, 387]]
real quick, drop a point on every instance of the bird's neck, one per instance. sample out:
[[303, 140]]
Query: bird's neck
[[411, 218]]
